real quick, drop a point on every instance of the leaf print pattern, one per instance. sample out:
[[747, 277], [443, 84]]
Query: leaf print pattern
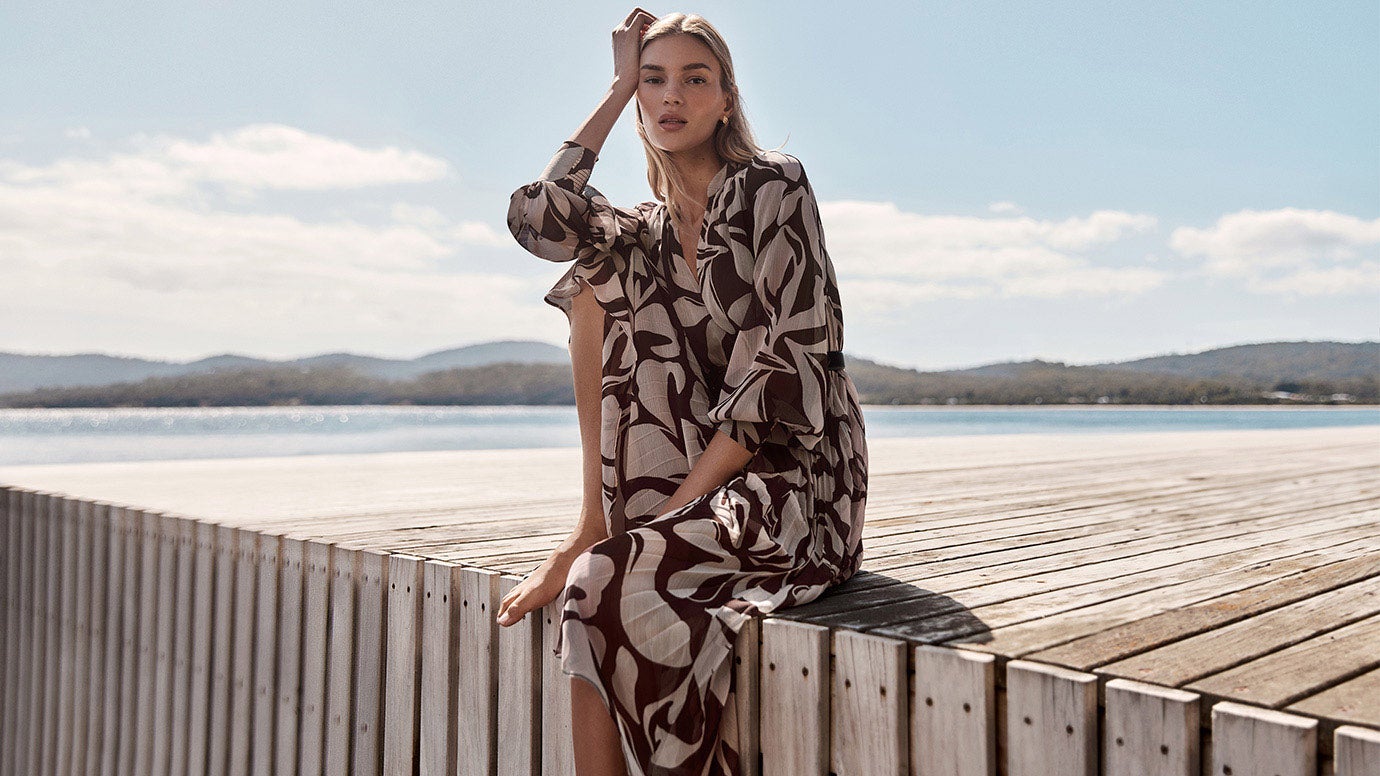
[[650, 614]]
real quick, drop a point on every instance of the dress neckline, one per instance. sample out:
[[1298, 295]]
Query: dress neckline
[[716, 185]]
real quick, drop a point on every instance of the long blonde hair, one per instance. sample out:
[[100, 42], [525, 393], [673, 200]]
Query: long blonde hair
[[734, 141]]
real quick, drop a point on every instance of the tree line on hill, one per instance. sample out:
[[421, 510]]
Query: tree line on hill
[[1033, 383]]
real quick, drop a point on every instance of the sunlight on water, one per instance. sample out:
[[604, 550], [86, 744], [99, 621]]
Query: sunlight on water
[[132, 434]]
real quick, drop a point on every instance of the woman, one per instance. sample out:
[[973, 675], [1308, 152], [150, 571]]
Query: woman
[[724, 457]]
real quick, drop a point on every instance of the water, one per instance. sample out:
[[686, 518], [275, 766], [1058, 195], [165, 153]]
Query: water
[[89, 435]]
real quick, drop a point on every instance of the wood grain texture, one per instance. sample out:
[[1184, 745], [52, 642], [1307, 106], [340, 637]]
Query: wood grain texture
[[953, 713], [796, 693], [1249, 741]]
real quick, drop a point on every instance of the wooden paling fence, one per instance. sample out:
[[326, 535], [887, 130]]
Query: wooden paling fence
[[141, 642]]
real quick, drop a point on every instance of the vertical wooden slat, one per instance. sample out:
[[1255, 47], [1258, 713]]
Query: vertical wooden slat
[[519, 691], [1051, 721], [184, 596], [315, 637], [102, 596], [796, 694], [66, 516], [341, 673], [289, 682], [953, 713], [146, 642], [1252, 741], [403, 661], [30, 659], [13, 611], [371, 627], [203, 636], [478, 705], [747, 711], [1149, 730], [52, 638], [166, 621], [242, 662], [266, 652], [82, 635], [441, 661], [557, 744], [121, 596], [869, 729], [1356, 751]]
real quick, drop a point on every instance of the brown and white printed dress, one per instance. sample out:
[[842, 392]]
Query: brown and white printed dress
[[741, 345]]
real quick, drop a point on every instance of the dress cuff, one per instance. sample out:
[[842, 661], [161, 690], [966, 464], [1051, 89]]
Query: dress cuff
[[749, 435], [572, 162]]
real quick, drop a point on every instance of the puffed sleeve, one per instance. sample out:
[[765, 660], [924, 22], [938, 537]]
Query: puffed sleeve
[[561, 217], [775, 382]]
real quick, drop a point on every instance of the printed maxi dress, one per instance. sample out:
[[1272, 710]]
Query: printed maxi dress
[[748, 344]]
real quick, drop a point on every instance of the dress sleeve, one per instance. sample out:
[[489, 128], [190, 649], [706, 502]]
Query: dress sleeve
[[560, 217], [775, 385]]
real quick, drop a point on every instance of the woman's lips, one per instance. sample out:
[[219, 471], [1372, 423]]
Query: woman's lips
[[671, 125]]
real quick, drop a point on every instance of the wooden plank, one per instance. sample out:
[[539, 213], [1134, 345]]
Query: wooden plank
[[220, 668], [31, 653], [869, 726], [1051, 721], [122, 596], [371, 628], [10, 501], [1150, 730], [1353, 701], [441, 662], [1137, 629], [268, 572], [403, 660], [341, 658], [1250, 741], [1357, 751], [289, 693], [315, 641], [478, 699], [747, 694], [52, 617], [953, 713], [165, 623], [184, 608], [557, 735], [146, 641], [102, 589], [519, 688], [1282, 677], [242, 664], [199, 673], [1183, 661], [796, 694], [66, 517], [131, 625]]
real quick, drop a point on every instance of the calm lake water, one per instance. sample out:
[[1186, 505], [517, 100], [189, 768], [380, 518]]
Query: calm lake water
[[89, 435], [57, 437]]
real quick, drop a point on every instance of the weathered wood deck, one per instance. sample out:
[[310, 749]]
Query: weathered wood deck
[[1173, 603]]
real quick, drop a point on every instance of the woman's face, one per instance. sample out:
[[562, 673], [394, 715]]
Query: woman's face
[[680, 77]]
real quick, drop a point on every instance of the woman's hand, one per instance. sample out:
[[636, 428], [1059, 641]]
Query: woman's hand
[[627, 47]]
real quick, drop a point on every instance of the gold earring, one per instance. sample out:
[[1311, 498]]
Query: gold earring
[[724, 121]]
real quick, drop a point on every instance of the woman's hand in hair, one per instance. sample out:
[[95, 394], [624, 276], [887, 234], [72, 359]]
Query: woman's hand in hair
[[627, 48]]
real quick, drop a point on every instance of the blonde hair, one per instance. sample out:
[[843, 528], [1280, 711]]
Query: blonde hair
[[733, 141]]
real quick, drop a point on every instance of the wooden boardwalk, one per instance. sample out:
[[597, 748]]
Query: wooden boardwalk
[[1153, 603]]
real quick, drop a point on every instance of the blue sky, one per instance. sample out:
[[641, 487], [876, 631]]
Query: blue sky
[[1071, 181]]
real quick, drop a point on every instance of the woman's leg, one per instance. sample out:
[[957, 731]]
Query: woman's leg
[[597, 749]]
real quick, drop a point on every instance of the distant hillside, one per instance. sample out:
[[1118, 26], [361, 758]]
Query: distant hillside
[[1313, 373], [20, 372]]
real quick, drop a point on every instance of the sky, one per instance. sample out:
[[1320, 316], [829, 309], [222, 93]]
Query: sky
[[1073, 181]]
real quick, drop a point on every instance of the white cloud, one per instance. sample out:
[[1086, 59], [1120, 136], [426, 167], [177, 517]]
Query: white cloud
[[890, 258], [1005, 208], [147, 233], [1289, 250]]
